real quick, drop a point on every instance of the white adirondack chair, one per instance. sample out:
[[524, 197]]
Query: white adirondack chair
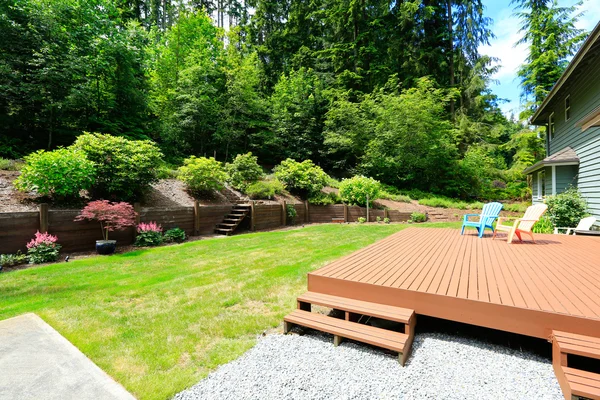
[[521, 225], [584, 225]]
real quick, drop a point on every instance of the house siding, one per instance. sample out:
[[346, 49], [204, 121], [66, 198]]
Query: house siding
[[566, 176], [585, 97]]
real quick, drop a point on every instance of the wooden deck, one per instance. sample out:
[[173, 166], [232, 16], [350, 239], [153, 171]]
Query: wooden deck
[[526, 288]]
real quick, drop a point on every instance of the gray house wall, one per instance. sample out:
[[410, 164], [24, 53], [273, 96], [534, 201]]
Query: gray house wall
[[585, 97]]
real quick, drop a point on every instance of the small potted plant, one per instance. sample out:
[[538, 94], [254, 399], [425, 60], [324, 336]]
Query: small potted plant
[[112, 217]]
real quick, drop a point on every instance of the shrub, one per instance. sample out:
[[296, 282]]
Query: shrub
[[264, 189], [202, 175], [10, 260], [243, 171], [112, 216], [148, 234], [164, 172], [378, 218], [302, 178], [544, 225], [324, 199], [10, 165], [386, 221], [361, 220], [61, 173], [291, 213], [175, 235], [418, 217], [567, 208], [356, 189], [43, 248], [124, 168]]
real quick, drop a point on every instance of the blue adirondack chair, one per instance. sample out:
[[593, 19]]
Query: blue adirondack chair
[[490, 212]]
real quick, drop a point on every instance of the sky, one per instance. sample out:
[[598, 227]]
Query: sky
[[506, 29]]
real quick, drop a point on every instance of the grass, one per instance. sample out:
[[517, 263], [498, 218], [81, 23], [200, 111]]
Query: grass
[[158, 320], [394, 197], [444, 202]]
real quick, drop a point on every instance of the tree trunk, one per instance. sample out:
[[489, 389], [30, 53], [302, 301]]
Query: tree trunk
[[451, 53]]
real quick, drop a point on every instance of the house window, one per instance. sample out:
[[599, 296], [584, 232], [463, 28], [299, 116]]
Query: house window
[[551, 127], [541, 184], [568, 108]]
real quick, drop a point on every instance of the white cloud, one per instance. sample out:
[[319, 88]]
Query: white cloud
[[509, 56]]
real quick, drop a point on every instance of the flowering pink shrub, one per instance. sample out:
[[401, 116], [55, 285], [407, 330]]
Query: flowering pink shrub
[[43, 248], [42, 238], [112, 216], [149, 227]]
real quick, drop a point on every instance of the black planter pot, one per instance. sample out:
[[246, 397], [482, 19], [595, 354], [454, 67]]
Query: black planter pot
[[106, 247]]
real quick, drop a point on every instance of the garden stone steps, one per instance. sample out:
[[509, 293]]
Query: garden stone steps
[[232, 220]]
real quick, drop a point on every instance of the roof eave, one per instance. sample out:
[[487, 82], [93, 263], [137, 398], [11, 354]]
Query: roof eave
[[591, 40]]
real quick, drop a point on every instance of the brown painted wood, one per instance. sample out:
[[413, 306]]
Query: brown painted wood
[[43, 217], [350, 330], [397, 314], [525, 288], [196, 217]]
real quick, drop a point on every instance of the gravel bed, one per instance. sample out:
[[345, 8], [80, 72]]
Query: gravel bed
[[441, 367]]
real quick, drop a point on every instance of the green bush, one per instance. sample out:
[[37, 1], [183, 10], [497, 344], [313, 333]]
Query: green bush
[[324, 199], [386, 221], [175, 235], [61, 173], [544, 225], [361, 220], [202, 175], [567, 208], [418, 217], [148, 239], [291, 213], [43, 248], [263, 190], [164, 172], [10, 165], [124, 168], [303, 179], [355, 190], [10, 260], [243, 171]]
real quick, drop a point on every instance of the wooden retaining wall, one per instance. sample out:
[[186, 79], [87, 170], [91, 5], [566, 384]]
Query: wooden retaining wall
[[16, 229]]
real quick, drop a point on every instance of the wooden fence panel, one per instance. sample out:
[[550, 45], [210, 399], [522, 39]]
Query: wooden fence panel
[[300, 214], [16, 229], [169, 218], [267, 216], [324, 214], [210, 216], [398, 216], [81, 235]]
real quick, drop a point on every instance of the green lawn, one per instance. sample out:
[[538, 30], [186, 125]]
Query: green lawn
[[159, 320]]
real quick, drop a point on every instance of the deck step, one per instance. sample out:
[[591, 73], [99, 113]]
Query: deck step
[[340, 328], [391, 313], [571, 343], [582, 384], [575, 383]]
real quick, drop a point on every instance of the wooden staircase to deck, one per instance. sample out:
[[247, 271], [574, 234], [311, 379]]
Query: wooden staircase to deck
[[575, 383], [233, 220], [351, 327]]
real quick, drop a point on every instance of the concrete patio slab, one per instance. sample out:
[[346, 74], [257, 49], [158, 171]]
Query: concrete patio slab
[[36, 362]]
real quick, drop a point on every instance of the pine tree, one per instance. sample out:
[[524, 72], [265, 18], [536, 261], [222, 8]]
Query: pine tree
[[552, 37]]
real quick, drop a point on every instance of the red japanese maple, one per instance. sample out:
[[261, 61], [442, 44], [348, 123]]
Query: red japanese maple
[[112, 216]]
